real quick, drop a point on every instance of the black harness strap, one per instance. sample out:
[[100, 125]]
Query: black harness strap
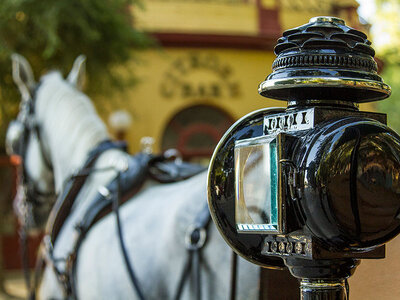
[[164, 171], [63, 205], [60, 212], [124, 185], [234, 267], [108, 198], [128, 263], [195, 240], [31, 193]]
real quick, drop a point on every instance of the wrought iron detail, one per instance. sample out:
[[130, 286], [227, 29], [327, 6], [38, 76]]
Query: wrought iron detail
[[324, 60], [325, 32], [329, 60], [284, 246]]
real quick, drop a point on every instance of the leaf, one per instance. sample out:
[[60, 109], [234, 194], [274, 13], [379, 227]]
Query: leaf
[[51, 34]]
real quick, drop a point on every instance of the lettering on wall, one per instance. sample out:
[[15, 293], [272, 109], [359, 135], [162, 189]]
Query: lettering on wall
[[199, 76]]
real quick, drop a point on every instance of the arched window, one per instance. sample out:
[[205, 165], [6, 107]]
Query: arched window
[[195, 131]]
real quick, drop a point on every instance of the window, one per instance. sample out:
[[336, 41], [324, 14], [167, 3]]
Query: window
[[195, 131]]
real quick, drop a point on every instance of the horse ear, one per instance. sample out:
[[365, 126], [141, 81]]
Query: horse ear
[[23, 75], [78, 72]]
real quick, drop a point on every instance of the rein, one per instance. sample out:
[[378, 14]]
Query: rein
[[109, 198], [63, 205], [126, 183], [61, 211], [195, 239]]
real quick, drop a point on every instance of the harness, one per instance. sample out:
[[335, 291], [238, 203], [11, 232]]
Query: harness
[[194, 240], [18, 134], [126, 183]]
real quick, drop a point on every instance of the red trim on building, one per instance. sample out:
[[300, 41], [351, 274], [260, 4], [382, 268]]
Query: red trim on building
[[266, 42], [12, 250], [268, 21], [269, 30], [192, 130]]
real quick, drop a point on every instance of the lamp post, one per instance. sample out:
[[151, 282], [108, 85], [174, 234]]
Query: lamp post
[[314, 187], [120, 122]]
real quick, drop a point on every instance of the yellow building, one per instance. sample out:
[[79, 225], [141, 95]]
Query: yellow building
[[214, 54]]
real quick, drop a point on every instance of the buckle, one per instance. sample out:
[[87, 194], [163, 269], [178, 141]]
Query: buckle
[[195, 237]]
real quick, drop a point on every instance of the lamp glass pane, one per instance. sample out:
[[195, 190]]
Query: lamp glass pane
[[256, 186]]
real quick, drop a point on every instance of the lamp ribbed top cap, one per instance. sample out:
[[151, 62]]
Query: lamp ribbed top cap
[[324, 60]]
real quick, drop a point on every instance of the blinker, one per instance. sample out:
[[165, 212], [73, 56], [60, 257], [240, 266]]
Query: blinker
[[15, 133]]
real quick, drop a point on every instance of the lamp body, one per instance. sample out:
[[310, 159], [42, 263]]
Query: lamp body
[[313, 187]]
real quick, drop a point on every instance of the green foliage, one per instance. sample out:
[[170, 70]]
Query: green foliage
[[386, 38], [51, 34], [391, 106]]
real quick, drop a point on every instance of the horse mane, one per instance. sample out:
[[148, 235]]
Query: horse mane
[[69, 125]]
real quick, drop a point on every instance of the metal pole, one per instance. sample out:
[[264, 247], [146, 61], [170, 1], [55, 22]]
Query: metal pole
[[317, 289], [271, 282]]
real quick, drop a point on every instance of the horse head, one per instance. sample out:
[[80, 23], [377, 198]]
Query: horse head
[[55, 134], [26, 140]]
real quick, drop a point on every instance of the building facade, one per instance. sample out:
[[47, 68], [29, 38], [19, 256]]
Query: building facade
[[213, 55]]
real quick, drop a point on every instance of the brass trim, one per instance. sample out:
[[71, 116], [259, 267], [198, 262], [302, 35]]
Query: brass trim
[[327, 19], [315, 102], [322, 82], [321, 284]]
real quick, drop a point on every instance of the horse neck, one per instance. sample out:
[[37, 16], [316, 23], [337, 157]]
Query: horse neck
[[70, 126]]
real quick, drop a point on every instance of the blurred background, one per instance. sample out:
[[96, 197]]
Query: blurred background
[[179, 71]]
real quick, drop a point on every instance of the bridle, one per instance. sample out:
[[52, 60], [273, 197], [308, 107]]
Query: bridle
[[28, 197], [18, 135]]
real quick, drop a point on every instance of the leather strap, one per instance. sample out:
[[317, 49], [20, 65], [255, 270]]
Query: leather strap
[[234, 267], [141, 166], [195, 239], [120, 189], [127, 183], [61, 210], [166, 171], [128, 263], [63, 205]]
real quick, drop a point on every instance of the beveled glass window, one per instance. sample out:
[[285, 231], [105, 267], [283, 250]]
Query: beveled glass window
[[256, 184]]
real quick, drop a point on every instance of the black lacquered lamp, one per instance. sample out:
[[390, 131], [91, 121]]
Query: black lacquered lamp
[[314, 187], [324, 60]]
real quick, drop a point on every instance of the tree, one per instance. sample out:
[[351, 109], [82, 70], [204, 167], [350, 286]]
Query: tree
[[386, 40], [51, 34]]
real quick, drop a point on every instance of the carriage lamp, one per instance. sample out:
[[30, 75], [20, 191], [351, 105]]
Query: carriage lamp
[[315, 186]]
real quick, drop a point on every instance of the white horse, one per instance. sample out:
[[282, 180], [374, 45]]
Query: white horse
[[154, 221]]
